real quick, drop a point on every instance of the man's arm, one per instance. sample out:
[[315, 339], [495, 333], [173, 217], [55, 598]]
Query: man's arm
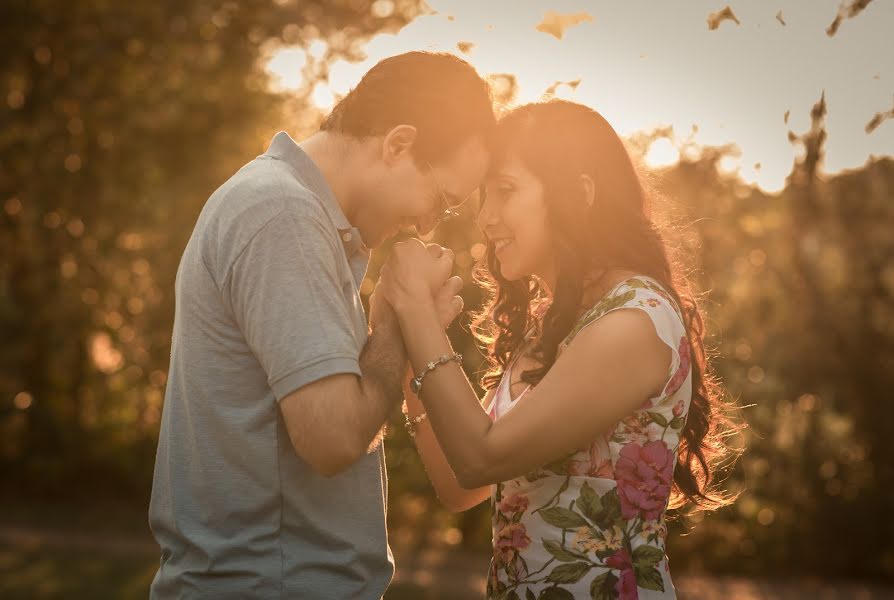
[[334, 421]]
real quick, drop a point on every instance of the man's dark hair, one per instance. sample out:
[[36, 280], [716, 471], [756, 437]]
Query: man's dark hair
[[438, 93]]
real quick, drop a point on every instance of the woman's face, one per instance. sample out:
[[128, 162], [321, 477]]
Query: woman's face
[[514, 220]]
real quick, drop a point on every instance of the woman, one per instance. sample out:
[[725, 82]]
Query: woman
[[601, 412]]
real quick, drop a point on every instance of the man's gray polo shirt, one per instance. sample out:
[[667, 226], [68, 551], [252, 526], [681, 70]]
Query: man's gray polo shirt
[[266, 301]]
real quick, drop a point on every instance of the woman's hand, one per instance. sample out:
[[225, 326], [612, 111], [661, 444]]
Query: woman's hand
[[414, 274], [448, 302]]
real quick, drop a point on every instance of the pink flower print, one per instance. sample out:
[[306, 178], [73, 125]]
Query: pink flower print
[[509, 541], [644, 477], [514, 504], [682, 371], [626, 586], [678, 408]]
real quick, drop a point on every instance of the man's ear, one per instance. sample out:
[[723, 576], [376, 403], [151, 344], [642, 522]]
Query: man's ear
[[398, 143], [589, 188]]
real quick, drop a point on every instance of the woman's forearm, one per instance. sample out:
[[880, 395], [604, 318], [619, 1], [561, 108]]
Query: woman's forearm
[[452, 495], [453, 408]]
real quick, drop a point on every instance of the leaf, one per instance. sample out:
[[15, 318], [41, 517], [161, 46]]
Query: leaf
[[647, 556], [649, 578], [512, 570], [555, 593], [658, 418], [611, 509], [589, 503], [716, 18], [555, 23], [563, 518], [513, 595], [569, 573], [561, 553], [529, 595], [676, 423], [603, 587]]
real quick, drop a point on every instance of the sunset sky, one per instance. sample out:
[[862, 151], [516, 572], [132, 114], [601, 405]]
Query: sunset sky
[[645, 65]]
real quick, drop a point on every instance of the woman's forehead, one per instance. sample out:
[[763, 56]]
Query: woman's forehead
[[509, 166]]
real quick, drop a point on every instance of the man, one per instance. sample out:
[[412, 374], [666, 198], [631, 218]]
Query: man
[[269, 478]]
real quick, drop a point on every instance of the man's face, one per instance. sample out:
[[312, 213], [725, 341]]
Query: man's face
[[410, 192]]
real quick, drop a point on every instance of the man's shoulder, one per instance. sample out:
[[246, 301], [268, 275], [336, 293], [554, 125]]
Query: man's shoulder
[[256, 195], [264, 188]]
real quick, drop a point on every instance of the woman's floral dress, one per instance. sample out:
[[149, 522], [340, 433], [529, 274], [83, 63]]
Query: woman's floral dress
[[591, 525]]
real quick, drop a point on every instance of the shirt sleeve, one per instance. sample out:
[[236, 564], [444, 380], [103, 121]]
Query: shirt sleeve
[[285, 290]]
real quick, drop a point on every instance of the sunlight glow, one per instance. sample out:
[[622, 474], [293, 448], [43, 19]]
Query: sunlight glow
[[662, 153], [747, 83], [286, 66], [322, 96]]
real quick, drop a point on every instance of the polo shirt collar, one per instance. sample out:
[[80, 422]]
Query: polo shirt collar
[[284, 148]]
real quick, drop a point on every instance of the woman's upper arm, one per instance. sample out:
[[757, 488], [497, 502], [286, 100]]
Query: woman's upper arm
[[605, 374]]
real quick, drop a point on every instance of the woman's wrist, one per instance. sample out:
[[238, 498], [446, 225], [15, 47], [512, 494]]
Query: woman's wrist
[[416, 309]]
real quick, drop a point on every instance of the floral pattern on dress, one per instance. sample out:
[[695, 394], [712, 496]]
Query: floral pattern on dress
[[592, 524]]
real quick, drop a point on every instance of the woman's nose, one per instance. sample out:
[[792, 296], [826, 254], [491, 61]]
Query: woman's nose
[[487, 215]]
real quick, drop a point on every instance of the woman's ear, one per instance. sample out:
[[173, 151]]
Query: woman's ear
[[398, 143], [589, 188]]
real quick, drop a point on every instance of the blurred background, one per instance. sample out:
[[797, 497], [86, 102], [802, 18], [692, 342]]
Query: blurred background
[[761, 125]]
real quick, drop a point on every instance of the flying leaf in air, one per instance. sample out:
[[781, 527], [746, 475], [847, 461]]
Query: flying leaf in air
[[551, 90], [878, 119], [848, 10], [780, 18], [555, 23], [465, 47], [716, 18]]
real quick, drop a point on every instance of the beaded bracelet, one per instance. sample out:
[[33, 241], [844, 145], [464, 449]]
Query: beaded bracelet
[[411, 424], [416, 383]]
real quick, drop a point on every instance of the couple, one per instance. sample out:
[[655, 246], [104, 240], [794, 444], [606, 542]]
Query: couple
[[270, 476]]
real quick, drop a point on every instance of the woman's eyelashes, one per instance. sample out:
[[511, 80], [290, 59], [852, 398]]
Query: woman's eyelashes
[[504, 191]]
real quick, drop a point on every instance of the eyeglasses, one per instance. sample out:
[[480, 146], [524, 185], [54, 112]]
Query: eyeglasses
[[447, 211]]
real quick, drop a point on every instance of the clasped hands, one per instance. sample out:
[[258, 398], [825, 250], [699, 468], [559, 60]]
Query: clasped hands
[[417, 276]]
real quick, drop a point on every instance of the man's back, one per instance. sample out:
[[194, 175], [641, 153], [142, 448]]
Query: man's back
[[266, 302]]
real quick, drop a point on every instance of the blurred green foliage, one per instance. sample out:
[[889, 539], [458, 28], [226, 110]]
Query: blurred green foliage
[[116, 123]]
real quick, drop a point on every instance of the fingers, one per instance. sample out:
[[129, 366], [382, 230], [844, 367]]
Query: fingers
[[457, 304], [435, 250], [454, 285], [444, 264]]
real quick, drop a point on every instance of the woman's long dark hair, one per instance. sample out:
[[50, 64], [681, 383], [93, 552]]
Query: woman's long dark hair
[[558, 141]]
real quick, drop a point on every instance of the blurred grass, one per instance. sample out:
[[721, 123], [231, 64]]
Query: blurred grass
[[42, 573], [50, 552]]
